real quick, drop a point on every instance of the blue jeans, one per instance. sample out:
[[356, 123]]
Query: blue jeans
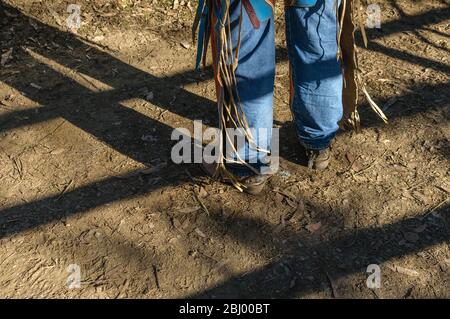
[[316, 76]]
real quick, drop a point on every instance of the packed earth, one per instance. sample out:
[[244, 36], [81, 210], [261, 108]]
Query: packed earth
[[92, 206]]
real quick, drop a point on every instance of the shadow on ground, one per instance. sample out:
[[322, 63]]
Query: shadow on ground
[[95, 113]]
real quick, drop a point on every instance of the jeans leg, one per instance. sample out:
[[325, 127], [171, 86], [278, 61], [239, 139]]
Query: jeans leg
[[316, 76], [255, 75]]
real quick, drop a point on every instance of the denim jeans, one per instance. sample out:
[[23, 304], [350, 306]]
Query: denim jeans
[[255, 76], [316, 76]]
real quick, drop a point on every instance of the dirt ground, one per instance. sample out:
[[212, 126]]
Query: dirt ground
[[86, 178]]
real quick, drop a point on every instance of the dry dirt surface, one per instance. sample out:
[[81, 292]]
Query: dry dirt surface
[[86, 179]]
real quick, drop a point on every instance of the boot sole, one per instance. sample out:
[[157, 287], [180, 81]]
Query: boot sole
[[252, 189]]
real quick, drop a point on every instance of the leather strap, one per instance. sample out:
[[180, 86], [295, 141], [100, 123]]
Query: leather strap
[[251, 14]]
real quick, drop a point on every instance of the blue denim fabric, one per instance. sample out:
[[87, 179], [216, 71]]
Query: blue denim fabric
[[311, 36], [317, 77], [255, 77]]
